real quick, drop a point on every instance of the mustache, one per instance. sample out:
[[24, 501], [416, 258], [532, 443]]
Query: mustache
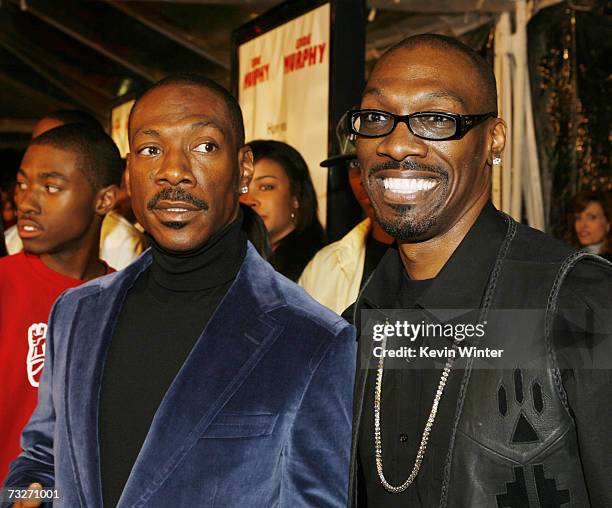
[[408, 165], [176, 194]]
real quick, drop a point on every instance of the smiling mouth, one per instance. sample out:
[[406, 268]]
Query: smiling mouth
[[407, 190], [409, 185]]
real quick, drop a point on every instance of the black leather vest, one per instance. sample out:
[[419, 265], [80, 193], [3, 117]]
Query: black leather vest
[[514, 442]]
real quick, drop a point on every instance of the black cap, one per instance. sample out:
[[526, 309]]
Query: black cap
[[346, 142], [336, 160]]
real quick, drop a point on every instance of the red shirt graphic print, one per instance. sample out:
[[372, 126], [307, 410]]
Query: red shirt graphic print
[[28, 290]]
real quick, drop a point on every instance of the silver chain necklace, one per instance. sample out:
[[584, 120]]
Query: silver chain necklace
[[488, 296], [425, 436]]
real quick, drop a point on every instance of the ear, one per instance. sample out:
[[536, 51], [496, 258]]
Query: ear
[[295, 202], [498, 139], [246, 165], [106, 198], [126, 172]]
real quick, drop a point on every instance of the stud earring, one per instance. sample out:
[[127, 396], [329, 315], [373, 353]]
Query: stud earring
[[244, 189], [496, 160], [292, 216]]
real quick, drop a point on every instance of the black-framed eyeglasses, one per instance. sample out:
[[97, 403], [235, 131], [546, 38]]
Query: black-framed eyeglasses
[[431, 125]]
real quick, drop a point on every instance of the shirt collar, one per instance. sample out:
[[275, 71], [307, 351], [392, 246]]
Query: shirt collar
[[463, 279]]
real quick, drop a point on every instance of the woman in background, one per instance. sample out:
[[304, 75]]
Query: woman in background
[[589, 214], [281, 192]]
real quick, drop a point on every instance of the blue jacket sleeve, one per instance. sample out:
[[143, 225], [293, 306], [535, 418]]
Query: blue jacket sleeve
[[36, 463], [316, 456]]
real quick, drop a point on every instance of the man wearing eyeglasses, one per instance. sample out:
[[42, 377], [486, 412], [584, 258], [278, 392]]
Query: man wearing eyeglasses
[[464, 431]]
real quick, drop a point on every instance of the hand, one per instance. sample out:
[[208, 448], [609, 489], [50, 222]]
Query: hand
[[30, 503]]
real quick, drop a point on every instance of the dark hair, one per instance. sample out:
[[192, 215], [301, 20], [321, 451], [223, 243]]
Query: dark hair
[[256, 231], [97, 155], [3, 251], [577, 205], [295, 250], [68, 116], [480, 65], [188, 79]]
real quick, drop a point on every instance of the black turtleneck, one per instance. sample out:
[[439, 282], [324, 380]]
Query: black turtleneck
[[162, 317]]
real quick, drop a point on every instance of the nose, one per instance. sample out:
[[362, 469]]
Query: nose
[[27, 201], [401, 143], [250, 199], [175, 169]]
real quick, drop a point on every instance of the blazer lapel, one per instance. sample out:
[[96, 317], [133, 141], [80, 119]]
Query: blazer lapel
[[235, 339], [93, 322]]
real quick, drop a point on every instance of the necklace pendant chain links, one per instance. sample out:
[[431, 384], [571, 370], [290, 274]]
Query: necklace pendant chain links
[[426, 431]]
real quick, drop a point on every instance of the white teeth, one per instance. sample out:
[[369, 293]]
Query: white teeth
[[29, 228], [406, 185], [177, 209]]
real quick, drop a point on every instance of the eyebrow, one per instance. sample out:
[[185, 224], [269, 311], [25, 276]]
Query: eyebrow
[[444, 94], [439, 94], [52, 174], [265, 176], [45, 175], [372, 91], [149, 132], [206, 123], [194, 125]]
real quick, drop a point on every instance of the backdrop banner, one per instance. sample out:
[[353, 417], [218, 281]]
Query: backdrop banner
[[284, 89], [119, 126]]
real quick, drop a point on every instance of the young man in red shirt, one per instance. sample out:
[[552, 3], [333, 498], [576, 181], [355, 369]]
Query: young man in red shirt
[[67, 182]]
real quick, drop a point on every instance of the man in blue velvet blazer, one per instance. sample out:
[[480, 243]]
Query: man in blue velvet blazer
[[255, 409]]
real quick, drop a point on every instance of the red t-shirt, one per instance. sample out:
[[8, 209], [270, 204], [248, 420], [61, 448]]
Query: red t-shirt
[[28, 289]]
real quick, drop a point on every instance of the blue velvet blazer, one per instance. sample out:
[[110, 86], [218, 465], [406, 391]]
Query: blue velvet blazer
[[258, 416]]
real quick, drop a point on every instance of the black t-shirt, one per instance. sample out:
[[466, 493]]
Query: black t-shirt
[[406, 400]]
